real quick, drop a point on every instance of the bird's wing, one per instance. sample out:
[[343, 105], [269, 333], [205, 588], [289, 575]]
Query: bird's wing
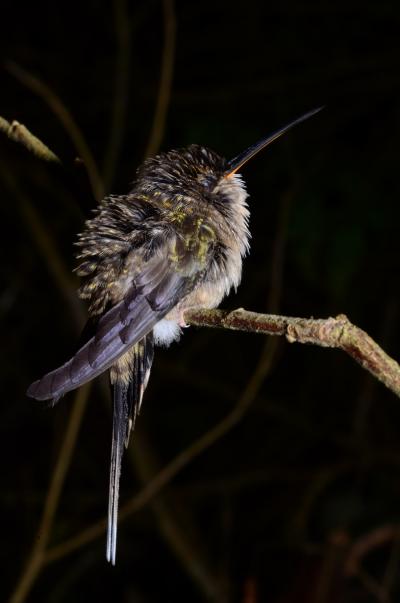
[[167, 277], [127, 402]]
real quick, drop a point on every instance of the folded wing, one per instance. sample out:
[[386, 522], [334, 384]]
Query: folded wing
[[161, 284]]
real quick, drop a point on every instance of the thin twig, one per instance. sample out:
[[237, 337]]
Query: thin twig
[[331, 566], [48, 250], [372, 586], [164, 91], [20, 134], [47, 247], [336, 332], [36, 558], [374, 539], [180, 534], [392, 569], [122, 69], [60, 110]]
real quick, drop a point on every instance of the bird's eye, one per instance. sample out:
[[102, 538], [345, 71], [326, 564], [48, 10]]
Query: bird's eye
[[207, 180]]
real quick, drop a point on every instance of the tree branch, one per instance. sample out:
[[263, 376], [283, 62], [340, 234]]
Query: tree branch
[[178, 463], [36, 558], [336, 332], [65, 117], [331, 332], [20, 134]]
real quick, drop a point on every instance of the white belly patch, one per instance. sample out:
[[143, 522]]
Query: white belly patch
[[166, 331]]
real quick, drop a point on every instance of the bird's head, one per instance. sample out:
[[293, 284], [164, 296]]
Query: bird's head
[[196, 174]]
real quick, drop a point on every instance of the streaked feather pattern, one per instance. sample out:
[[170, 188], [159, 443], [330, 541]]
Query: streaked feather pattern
[[175, 242]]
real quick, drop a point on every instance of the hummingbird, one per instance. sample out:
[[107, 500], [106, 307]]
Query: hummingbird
[[176, 241]]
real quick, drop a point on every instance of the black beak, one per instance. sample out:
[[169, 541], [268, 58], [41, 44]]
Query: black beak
[[235, 164]]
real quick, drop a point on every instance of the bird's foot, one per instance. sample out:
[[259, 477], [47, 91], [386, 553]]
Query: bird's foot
[[181, 320]]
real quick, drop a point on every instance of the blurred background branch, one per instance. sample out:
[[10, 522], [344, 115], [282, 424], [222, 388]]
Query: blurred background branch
[[123, 31], [165, 85], [34, 84], [35, 560]]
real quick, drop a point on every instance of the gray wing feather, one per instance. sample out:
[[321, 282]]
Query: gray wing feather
[[153, 293], [100, 352]]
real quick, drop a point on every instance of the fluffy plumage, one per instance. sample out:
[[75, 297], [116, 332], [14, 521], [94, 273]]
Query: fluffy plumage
[[176, 241]]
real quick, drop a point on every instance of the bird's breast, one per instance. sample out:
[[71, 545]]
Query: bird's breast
[[166, 331]]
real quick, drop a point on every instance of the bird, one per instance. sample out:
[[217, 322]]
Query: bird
[[175, 241]]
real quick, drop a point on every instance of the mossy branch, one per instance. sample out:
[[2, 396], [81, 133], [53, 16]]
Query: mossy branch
[[336, 332]]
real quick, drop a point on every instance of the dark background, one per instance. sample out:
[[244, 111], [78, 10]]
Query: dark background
[[274, 510]]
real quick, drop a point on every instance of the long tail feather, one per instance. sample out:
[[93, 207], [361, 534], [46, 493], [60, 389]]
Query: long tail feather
[[127, 401], [142, 361], [120, 421]]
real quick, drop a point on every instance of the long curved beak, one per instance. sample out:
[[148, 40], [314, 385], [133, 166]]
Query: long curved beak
[[235, 164]]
